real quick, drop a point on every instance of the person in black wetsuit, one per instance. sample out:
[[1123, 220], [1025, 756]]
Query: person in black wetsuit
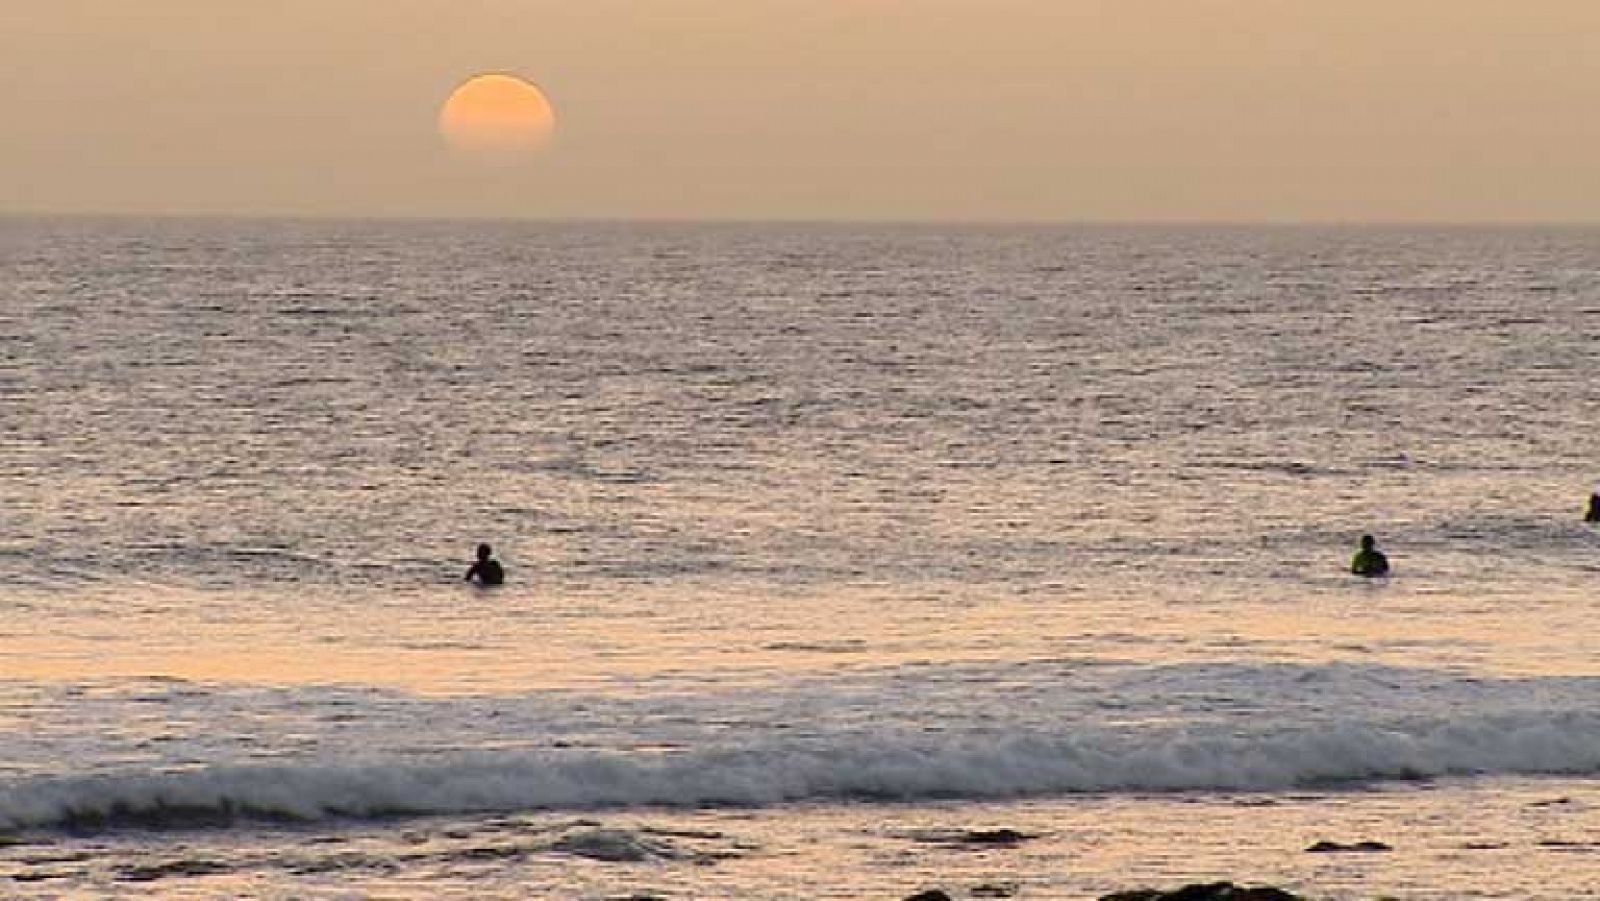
[[486, 570], [1594, 508], [1369, 561]]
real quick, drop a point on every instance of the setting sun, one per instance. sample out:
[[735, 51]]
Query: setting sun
[[498, 116]]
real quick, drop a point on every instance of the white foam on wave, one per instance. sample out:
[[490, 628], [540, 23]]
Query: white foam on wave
[[886, 767]]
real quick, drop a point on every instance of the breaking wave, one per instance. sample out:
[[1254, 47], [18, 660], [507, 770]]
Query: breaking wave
[[890, 767]]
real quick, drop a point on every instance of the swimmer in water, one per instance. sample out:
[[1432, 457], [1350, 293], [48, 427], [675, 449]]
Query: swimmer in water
[[1369, 561], [487, 570]]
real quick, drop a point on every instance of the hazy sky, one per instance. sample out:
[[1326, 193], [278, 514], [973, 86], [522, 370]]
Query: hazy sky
[[834, 109]]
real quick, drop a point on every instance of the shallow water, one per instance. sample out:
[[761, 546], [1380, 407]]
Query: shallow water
[[825, 544], [1511, 839]]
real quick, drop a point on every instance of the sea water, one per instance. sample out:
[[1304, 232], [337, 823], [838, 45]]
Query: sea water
[[832, 551]]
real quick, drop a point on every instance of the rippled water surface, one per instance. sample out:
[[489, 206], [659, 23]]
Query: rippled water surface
[[827, 545]]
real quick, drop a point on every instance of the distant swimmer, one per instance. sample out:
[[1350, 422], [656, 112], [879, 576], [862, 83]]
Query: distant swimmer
[[1369, 561], [487, 570], [1594, 508]]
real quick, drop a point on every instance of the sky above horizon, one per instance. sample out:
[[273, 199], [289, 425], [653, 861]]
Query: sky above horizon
[[999, 110]]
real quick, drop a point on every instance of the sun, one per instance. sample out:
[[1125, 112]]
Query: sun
[[497, 116]]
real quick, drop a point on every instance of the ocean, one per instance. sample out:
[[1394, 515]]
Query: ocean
[[844, 561]]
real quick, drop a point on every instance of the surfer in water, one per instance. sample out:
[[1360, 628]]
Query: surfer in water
[[1369, 561], [1594, 508], [486, 570]]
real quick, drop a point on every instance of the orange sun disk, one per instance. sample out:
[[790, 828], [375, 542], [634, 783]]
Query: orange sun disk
[[497, 116]]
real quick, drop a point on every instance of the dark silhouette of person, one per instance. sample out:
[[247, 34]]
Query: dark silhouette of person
[[1369, 561], [486, 570], [1594, 508]]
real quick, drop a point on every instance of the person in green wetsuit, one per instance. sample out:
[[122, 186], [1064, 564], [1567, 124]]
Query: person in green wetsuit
[[1369, 561]]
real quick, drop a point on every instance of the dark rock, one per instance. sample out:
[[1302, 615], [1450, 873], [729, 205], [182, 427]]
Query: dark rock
[[1202, 891], [1262, 893], [1326, 847], [1206, 891], [932, 894], [993, 890], [993, 837]]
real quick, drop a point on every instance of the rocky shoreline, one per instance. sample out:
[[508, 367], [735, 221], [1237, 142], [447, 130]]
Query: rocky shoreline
[[1199, 891]]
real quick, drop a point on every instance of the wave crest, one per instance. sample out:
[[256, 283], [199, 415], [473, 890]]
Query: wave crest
[[883, 767]]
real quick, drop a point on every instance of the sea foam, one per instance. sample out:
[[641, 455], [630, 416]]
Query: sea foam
[[889, 766]]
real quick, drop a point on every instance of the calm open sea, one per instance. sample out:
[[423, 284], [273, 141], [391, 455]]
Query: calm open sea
[[826, 547]]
